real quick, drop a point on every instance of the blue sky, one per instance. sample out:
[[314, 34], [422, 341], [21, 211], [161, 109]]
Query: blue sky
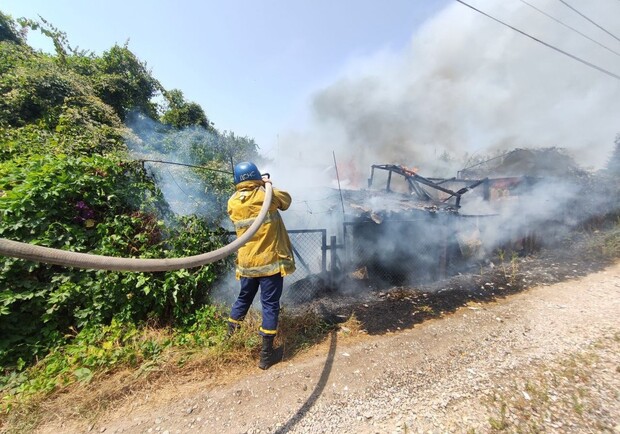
[[251, 64]]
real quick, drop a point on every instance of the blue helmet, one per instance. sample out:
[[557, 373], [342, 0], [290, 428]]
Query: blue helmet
[[246, 171]]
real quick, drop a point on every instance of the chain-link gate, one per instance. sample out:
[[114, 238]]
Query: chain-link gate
[[421, 249], [310, 252], [399, 252]]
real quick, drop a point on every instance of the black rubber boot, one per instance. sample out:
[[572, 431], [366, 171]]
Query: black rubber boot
[[232, 328], [267, 356]]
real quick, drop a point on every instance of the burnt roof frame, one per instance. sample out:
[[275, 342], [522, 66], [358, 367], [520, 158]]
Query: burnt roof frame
[[413, 180]]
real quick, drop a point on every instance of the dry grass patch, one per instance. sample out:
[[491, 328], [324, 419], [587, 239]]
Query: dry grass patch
[[172, 367], [352, 327]]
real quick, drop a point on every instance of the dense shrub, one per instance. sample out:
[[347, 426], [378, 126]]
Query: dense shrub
[[67, 182], [101, 205]]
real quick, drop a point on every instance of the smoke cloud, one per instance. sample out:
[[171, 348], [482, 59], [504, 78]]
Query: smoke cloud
[[464, 86], [184, 191], [468, 85]]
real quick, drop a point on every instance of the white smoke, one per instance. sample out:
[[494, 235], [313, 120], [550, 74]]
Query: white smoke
[[184, 191], [465, 86], [468, 85]]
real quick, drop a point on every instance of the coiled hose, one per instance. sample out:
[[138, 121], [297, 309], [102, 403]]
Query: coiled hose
[[48, 255]]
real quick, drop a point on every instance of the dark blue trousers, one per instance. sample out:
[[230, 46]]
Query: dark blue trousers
[[270, 293]]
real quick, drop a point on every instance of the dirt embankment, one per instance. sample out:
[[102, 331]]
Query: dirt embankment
[[543, 360]]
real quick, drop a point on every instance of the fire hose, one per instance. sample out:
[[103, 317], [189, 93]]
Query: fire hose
[[65, 258]]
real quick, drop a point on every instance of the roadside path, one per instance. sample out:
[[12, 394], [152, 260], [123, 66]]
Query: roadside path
[[548, 357]]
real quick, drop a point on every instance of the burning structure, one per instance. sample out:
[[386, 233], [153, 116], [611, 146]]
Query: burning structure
[[403, 228], [406, 228]]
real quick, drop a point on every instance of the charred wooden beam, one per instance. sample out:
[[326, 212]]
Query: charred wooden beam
[[413, 178]]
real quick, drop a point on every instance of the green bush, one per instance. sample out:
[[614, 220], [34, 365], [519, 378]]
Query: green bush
[[66, 183], [96, 349], [100, 205]]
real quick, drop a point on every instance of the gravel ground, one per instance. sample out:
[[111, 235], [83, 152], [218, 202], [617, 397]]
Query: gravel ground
[[543, 360]]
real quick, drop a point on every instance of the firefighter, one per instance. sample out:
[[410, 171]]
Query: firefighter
[[265, 259]]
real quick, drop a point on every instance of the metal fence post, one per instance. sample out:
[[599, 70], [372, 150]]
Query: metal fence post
[[332, 260], [323, 251]]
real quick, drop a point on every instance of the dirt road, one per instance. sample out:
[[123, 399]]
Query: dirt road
[[544, 360]]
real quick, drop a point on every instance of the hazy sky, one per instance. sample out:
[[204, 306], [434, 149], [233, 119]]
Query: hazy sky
[[251, 64]]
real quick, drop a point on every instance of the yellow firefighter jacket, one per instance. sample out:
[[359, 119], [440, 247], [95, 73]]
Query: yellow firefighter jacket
[[269, 251]]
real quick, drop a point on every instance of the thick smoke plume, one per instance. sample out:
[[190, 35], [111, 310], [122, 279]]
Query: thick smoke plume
[[467, 85], [464, 87]]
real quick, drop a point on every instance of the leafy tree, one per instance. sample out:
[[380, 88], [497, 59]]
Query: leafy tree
[[59, 38], [124, 83], [227, 148], [8, 32], [180, 113], [66, 182], [35, 90]]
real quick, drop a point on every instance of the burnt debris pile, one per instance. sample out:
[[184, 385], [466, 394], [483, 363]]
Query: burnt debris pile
[[407, 229]]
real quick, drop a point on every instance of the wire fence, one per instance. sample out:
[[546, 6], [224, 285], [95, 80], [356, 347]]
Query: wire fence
[[394, 252], [310, 252]]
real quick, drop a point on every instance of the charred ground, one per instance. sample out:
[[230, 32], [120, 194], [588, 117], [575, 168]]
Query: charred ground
[[381, 308], [566, 233]]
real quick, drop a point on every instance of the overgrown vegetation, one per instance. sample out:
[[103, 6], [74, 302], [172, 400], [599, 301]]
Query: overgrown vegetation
[[99, 349], [68, 181]]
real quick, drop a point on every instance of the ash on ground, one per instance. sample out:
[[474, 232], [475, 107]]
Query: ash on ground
[[381, 308]]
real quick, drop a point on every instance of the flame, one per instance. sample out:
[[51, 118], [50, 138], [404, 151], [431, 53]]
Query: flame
[[409, 171]]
